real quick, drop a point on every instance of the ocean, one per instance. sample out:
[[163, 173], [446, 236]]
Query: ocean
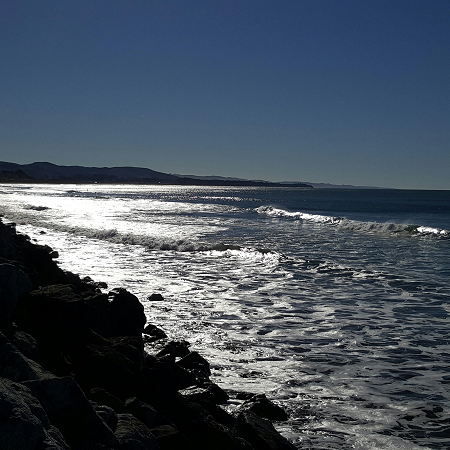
[[333, 302]]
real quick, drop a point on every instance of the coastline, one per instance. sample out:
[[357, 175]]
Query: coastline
[[83, 370], [48, 173]]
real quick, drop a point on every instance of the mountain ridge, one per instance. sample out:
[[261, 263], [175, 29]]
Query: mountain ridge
[[45, 172]]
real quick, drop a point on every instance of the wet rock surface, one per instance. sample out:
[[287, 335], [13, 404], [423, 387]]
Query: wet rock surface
[[74, 373]]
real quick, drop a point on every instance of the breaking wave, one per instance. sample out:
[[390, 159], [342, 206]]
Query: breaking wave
[[159, 243], [152, 243], [355, 225]]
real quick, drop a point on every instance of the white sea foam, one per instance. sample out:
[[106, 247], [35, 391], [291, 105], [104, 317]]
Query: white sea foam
[[354, 225], [277, 212], [433, 231]]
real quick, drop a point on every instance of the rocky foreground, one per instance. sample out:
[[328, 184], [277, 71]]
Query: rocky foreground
[[80, 369]]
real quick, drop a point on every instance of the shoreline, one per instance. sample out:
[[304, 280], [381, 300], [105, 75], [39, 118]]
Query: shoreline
[[186, 182], [79, 360]]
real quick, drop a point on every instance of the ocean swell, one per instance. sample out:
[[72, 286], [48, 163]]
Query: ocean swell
[[355, 225]]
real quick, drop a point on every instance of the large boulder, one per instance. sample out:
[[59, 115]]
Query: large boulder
[[132, 434], [71, 412], [145, 413], [23, 421], [260, 433], [196, 363], [263, 407], [16, 367], [113, 363], [26, 344], [57, 316], [169, 438], [98, 306], [206, 393], [152, 333], [161, 379], [56, 312], [14, 284], [7, 244], [199, 427], [125, 316], [35, 260], [208, 398], [103, 397], [40, 259], [107, 414]]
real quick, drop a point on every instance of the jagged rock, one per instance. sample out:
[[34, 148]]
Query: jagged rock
[[155, 298], [168, 351], [40, 259], [260, 432], [125, 316], [132, 434], [197, 394], [197, 425], [173, 348], [144, 412], [112, 363], [207, 393], [153, 333], [16, 367], [56, 312], [57, 316], [8, 248], [169, 438], [193, 361], [23, 421], [181, 348], [164, 376], [103, 397], [208, 396], [107, 414], [27, 345], [75, 280], [220, 396], [94, 284], [14, 284], [71, 412], [263, 407], [97, 306], [33, 259]]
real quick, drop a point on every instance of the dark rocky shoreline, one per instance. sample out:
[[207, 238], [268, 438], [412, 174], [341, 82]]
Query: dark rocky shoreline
[[80, 369]]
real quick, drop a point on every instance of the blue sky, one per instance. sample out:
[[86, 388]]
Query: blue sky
[[345, 92]]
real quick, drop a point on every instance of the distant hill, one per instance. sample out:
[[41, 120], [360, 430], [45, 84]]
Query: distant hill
[[333, 186], [45, 172], [284, 183]]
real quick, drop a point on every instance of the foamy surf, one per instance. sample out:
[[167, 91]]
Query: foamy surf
[[153, 243], [354, 225]]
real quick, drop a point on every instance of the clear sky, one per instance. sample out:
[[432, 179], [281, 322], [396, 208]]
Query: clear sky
[[337, 91]]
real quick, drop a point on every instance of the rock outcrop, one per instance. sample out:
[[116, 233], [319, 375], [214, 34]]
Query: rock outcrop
[[79, 369]]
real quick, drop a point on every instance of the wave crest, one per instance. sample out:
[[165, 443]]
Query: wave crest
[[355, 225], [159, 243]]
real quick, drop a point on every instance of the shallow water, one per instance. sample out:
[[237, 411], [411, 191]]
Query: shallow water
[[333, 302]]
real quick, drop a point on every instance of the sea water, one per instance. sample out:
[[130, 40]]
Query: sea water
[[335, 303]]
